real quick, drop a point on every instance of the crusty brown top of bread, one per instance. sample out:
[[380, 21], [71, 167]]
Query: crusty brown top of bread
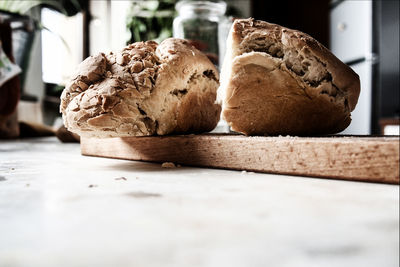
[[294, 70], [145, 89]]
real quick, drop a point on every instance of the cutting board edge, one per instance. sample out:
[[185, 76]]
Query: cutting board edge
[[126, 151]]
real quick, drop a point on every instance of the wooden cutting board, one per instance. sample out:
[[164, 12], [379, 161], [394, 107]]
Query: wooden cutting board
[[359, 158]]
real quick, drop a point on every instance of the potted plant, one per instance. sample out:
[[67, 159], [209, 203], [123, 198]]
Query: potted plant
[[151, 20]]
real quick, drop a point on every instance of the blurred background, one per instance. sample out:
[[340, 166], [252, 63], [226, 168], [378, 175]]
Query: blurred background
[[48, 39]]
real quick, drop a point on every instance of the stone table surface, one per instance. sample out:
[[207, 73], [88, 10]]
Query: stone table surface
[[58, 208]]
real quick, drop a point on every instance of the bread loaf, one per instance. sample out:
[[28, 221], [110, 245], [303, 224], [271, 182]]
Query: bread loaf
[[145, 89], [282, 81]]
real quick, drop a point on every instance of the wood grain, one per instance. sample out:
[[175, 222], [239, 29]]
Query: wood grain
[[373, 159]]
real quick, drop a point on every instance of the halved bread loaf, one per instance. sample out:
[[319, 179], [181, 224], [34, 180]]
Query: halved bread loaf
[[282, 81], [145, 89]]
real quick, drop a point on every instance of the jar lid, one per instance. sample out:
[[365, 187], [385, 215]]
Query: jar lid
[[199, 7]]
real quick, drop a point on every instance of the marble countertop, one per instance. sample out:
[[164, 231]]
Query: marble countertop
[[58, 208]]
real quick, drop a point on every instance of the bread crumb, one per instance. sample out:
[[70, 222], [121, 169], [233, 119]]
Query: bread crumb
[[121, 178], [92, 185], [168, 165]]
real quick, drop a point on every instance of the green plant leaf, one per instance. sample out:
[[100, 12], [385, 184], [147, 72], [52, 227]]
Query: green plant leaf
[[66, 7], [151, 20]]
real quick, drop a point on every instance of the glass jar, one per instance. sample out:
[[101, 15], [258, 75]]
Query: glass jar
[[201, 23]]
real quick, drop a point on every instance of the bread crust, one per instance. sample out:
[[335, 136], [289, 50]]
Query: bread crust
[[145, 89], [282, 81]]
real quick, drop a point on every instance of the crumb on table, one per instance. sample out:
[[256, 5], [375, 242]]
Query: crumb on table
[[168, 165]]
